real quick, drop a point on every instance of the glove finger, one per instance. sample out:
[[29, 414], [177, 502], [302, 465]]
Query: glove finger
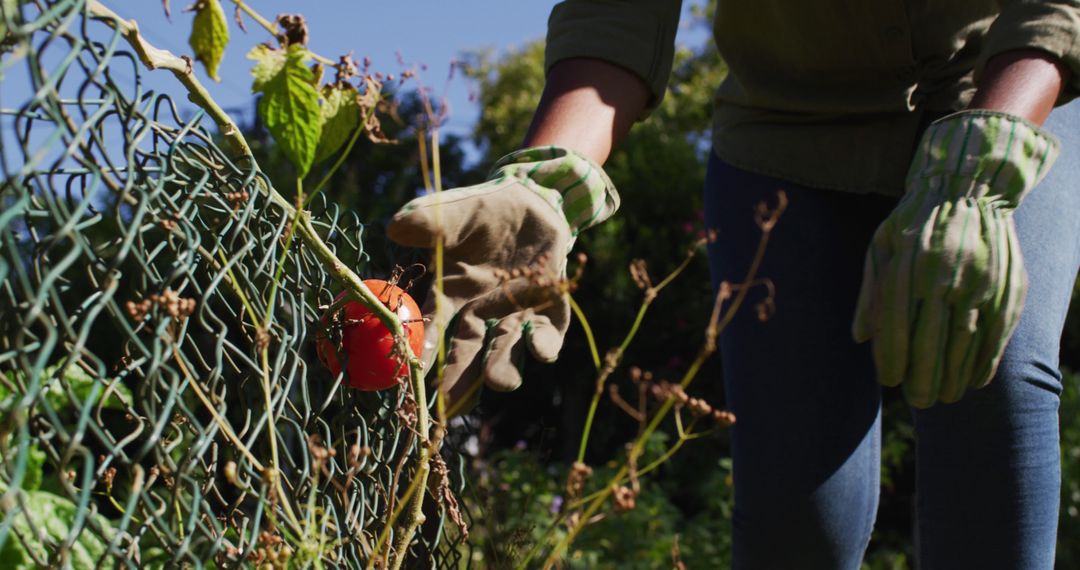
[[502, 360], [1003, 312], [959, 354], [544, 339], [927, 352], [546, 329], [463, 359], [953, 272], [967, 235], [997, 280], [865, 323], [894, 321]]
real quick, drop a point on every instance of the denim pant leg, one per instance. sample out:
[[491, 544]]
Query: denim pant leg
[[806, 445], [988, 466]]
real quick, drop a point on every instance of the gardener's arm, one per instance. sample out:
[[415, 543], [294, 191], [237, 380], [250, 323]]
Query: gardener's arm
[[588, 105], [1023, 82], [607, 63]]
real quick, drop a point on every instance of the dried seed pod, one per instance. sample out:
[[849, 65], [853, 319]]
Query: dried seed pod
[[230, 473], [723, 417], [625, 498]]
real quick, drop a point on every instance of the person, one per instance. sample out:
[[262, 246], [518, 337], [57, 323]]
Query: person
[[914, 143]]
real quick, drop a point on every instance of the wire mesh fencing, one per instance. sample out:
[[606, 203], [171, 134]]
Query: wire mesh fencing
[[161, 402]]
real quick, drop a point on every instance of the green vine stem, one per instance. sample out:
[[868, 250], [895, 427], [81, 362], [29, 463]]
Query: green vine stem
[[590, 339], [342, 155], [155, 58], [614, 357], [276, 32], [717, 322], [436, 186]]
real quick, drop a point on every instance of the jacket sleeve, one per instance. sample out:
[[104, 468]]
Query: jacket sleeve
[[638, 35], [1052, 26]]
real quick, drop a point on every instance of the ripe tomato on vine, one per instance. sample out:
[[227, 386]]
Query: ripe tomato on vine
[[366, 343]]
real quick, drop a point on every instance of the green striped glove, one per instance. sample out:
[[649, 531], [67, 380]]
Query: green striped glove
[[506, 243], [944, 280]]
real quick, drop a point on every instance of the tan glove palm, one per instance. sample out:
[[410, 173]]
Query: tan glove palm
[[505, 247]]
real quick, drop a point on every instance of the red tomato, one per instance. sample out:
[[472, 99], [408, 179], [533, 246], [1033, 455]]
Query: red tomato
[[367, 343]]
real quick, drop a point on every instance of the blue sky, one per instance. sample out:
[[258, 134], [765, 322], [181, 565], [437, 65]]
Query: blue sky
[[430, 33], [423, 32]]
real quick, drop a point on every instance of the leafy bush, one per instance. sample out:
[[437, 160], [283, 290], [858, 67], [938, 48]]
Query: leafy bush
[[1068, 555], [520, 495]]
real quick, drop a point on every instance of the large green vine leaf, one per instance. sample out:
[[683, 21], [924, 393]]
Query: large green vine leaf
[[53, 517], [111, 394], [340, 113], [209, 35], [290, 104]]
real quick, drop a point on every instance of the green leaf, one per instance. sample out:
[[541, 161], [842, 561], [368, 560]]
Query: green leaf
[[290, 104], [209, 35], [268, 63], [116, 395], [35, 463], [53, 516], [340, 116], [83, 386]]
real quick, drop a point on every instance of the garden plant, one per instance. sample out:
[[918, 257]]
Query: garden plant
[[189, 306]]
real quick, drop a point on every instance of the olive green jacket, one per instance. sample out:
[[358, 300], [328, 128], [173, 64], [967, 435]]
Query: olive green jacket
[[828, 93]]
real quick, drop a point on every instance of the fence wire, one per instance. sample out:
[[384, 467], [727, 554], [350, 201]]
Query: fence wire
[[150, 360]]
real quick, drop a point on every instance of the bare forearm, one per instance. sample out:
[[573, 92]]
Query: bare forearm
[[588, 105], [1025, 83]]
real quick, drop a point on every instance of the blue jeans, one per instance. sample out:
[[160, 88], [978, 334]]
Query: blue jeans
[[807, 446]]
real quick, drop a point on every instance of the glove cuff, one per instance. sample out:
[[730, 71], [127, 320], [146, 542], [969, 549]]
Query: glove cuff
[[982, 154], [571, 182]]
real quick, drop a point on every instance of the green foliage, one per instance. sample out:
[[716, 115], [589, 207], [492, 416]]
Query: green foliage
[[34, 467], [705, 539], [268, 64], [209, 35], [520, 494], [508, 90], [71, 390], [886, 559], [1068, 547], [290, 104], [53, 516], [375, 179], [1070, 340], [54, 520], [339, 117]]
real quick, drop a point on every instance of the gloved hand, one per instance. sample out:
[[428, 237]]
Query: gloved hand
[[505, 248], [944, 280]]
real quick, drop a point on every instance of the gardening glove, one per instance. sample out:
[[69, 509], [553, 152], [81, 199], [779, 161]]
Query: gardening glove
[[505, 248], [944, 280]]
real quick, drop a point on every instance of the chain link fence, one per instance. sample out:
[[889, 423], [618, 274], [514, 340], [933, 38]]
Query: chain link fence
[[157, 340]]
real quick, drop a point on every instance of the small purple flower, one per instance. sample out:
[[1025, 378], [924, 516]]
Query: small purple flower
[[556, 504], [521, 445]]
